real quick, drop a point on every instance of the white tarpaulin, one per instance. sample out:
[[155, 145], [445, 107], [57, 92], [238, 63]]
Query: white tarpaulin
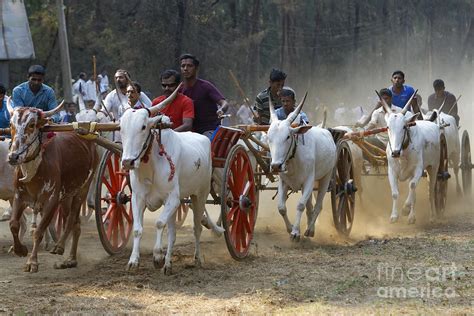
[[15, 36]]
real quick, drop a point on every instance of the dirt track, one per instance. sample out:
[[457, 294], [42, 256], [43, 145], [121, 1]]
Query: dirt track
[[325, 274]]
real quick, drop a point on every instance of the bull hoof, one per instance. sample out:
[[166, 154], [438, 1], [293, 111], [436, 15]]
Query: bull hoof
[[411, 220], [393, 219], [132, 265], [159, 262], [69, 263], [31, 267], [57, 250], [309, 233], [197, 262], [167, 270], [295, 237], [20, 251]]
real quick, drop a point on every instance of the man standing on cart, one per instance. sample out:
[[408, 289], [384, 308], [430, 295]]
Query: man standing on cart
[[209, 103], [276, 83]]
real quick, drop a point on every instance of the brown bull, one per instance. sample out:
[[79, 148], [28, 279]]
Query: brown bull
[[50, 171]]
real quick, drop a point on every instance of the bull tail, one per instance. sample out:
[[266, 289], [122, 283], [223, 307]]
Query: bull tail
[[213, 226]]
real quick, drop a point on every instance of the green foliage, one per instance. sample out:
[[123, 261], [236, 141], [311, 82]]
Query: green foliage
[[318, 43]]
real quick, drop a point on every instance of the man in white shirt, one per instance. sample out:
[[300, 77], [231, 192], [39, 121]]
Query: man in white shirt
[[91, 92], [116, 101], [104, 82], [377, 120], [79, 87]]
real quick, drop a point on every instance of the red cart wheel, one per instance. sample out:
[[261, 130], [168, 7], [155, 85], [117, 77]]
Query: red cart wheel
[[239, 202], [343, 190], [57, 225], [113, 205], [441, 186], [181, 213]]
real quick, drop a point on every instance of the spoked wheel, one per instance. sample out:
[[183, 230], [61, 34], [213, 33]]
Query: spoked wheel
[[239, 202], [343, 190], [441, 186], [181, 213], [113, 205], [57, 225], [466, 164]]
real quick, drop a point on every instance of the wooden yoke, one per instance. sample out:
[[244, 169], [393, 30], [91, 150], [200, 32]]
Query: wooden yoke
[[259, 128], [363, 133]]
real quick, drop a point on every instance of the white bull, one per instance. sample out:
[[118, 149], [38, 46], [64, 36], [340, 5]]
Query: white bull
[[178, 166], [410, 150], [300, 160]]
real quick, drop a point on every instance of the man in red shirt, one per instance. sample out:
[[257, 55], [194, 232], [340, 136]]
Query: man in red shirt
[[181, 110]]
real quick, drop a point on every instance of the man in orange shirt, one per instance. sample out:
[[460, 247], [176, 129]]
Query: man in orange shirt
[[181, 110]]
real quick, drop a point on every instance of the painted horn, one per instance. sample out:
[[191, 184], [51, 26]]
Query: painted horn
[[407, 105], [297, 111], [160, 106], [53, 111]]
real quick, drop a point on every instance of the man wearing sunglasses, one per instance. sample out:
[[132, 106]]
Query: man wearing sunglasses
[[34, 93], [181, 110]]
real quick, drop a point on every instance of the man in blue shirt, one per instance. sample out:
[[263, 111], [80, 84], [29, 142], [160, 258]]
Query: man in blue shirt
[[4, 114], [288, 100], [401, 92], [34, 93]]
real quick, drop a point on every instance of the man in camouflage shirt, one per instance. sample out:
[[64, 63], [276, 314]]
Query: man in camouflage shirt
[[276, 82]]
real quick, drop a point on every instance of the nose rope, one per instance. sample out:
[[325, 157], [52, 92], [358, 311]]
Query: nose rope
[[292, 149], [144, 147], [38, 137]]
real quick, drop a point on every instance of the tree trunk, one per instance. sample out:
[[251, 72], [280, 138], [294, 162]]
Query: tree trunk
[[181, 4], [253, 61], [314, 51]]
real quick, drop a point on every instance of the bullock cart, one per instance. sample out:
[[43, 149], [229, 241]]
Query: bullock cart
[[239, 159], [375, 162], [246, 171]]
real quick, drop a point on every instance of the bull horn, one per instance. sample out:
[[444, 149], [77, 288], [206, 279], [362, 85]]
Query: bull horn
[[98, 104], [385, 106], [53, 111], [325, 117], [9, 106], [273, 115], [81, 103], [407, 105], [297, 111], [160, 106]]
